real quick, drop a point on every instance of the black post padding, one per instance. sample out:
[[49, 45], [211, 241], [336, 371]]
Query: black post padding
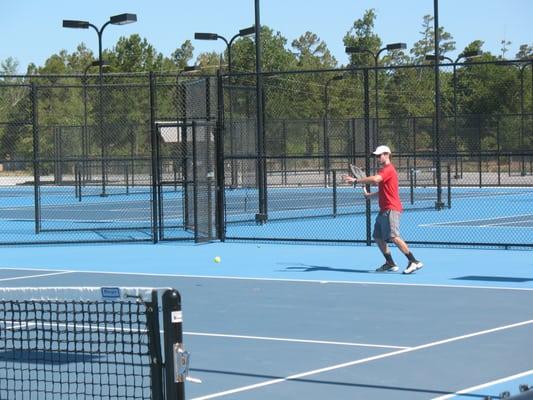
[[154, 344], [173, 333]]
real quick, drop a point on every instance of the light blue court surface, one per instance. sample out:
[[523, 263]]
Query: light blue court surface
[[278, 321]]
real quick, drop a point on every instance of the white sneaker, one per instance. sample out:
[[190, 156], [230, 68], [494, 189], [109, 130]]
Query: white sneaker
[[412, 267]]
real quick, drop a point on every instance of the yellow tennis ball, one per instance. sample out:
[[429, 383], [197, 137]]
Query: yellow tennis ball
[[217, 259]]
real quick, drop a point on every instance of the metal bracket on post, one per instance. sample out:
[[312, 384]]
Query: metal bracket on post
[[181, 365]]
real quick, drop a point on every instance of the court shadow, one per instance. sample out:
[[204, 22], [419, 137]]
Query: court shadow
[[316, 268], [46, 357], [405, 389]]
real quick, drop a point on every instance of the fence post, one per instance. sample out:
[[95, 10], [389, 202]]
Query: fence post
[[219, 151], [480, 157], [334, 185], [367, 152], [155, 160], [449, 178], [36, 155]]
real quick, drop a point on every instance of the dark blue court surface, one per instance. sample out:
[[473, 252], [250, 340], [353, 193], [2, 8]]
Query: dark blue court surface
[[315, 322]]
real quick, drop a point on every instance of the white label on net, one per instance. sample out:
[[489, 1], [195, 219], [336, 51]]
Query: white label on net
[[177, 317]]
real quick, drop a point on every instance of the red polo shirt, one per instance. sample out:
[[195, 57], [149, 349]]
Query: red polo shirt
[[389, 195]]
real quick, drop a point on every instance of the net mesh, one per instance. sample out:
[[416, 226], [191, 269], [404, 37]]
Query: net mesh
[[56, 346]]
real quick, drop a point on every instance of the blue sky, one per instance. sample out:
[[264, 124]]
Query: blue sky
[[31, 29]]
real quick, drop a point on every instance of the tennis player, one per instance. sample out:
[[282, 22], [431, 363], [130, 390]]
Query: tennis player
[[387, 225]]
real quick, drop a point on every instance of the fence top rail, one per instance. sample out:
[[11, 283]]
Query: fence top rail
[[265, 73], [386, 67]]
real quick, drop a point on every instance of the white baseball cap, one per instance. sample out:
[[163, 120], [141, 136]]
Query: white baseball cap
[[381, 150]]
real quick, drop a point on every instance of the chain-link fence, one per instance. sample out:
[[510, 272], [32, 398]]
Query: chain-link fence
[[470, 183], [124, 157], [98, 158]]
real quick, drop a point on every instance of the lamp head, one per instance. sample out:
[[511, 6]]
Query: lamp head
[[247, 31], [470, 54], [123, 19], [205, 36], [69, 23], [396, 46], [353, 49]]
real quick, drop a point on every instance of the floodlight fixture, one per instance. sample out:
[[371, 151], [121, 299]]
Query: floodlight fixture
[[432, 57], [205, 36], [69, 23], [247, 31], [123, 19], [396, 46], [354, 49], [98, 63], [470, 54]]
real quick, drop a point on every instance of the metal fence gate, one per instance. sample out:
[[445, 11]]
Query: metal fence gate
[[186, 185]]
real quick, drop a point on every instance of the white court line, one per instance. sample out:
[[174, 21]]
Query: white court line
[[361, 361], [475, 220], [35, 276], [316, 281], [484, 385], [276, 339], [510, 223]]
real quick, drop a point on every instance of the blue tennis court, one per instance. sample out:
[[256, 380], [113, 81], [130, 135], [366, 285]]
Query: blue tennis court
[[298, 321], [497, 215]]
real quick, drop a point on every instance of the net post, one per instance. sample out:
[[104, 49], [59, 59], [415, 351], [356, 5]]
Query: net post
[[154, 342], [173, 343]]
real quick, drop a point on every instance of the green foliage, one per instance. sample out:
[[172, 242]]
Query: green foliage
[[274, 56], [181, 56], [134, 54], [312, 53], [402, 92], [426, 45], [362, 35]]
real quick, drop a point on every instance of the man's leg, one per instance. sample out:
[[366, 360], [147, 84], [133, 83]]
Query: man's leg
[[413, 263], [389, 265]]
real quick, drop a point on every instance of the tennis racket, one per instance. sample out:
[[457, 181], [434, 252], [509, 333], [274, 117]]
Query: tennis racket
[[358, 173]]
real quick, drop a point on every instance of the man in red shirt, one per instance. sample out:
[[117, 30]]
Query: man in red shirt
[[387, 226]]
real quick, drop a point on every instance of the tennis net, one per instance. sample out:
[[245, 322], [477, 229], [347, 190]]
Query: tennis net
[[90, 343]]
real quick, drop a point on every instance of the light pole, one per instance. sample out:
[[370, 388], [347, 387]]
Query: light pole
[[84, 141], [465, 55], [215, 36], [388, 47], [121, 19]]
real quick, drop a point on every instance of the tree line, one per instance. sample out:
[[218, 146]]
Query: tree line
[[473, 88]]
